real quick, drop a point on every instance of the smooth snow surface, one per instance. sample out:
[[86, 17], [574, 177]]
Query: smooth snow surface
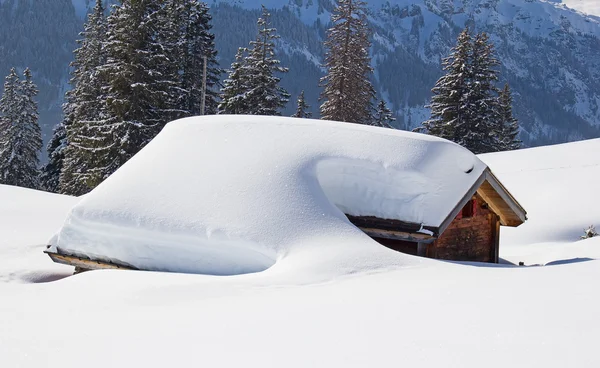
[[236, 194], [427, 314], [561, 199], [26, 219], [586, 6]]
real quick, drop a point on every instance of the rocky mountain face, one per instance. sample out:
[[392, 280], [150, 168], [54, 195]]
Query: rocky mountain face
[[550, 54]]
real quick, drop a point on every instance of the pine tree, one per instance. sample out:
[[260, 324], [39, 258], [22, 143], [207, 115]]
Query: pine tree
[[9, 115], [302, 109], [482, 101], [448, 115], [50, 173], [9, 112], [21, 138], [252, 87], [198, 42], [265, 96], [138, 82], [509, 125], [383, 116], [464, 105], [85, 155], [348, 93], [235, 87]]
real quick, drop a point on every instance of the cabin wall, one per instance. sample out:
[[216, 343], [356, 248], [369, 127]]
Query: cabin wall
[[469, 238]]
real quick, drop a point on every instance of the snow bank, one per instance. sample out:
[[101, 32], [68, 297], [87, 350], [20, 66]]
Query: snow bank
[[27, 218], [435, 314], [558, 186], [228, 195]]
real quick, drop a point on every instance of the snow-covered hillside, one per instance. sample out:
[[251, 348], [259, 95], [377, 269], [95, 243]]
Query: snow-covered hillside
[[557, 186], [550, 53], [426, 313], [585, 6]]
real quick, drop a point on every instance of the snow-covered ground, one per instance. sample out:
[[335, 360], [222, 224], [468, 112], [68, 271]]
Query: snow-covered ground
[[420, 313], [586, 6]]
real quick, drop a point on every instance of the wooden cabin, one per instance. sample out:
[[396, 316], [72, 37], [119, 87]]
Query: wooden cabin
[[470, 232]]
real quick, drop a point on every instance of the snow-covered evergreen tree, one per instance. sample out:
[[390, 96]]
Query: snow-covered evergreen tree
[[50, 173], [448, 115], [235, 87], [9, 114], [252, 86], [464, 106], [482, 101], [509, 125], [138, 82], [87, 136], [383, 116], [302, 108], [348, 93], [265, 96], [8, 102], [20, 134], [198, 42]]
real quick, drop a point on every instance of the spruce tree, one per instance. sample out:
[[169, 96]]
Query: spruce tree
[[448, 104], [85, 153], [8, 105], [348, 93], [509, 125], [9, 115], [198, 42], [482, 101], [252, 87], [265, 96], [383, 116], [21, 137], [302, 108], [50, 173], [235, 87], [138, 81], [464, 105]]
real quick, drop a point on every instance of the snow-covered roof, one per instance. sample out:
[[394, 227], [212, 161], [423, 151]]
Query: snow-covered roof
[[249, 186]]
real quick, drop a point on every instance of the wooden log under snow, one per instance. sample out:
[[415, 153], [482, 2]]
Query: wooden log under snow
[[84, 263]]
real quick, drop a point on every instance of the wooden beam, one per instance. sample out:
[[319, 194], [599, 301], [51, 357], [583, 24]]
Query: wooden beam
[[497, 241], [398, 235], [422, 249], [490, 202], [86, 263]]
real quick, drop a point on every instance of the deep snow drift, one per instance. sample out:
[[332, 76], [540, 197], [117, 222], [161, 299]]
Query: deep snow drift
[[429, 314], [558, 185], [26, 219], [228, 195]]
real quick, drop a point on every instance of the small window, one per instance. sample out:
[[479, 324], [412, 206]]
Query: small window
[[469, 209]]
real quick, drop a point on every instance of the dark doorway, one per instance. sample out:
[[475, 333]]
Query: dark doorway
[[403, 246]]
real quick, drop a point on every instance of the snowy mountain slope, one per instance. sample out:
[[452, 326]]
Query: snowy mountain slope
[[562, 191], [585, 6], [427, 314], [550, 53]]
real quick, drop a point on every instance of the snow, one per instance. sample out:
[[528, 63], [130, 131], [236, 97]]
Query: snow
[[26, 219], [586, 6], [279, 192], [561, 205], [425, 313]]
